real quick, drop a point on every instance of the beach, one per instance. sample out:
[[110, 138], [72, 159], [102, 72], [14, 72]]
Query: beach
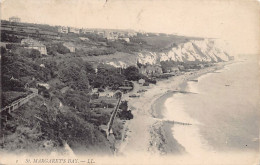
[[147, 133], [209, 116]]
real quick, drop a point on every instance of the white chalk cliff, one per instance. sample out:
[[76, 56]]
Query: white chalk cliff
[[195, 50]]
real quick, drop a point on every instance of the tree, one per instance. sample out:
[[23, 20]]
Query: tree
[[132, 73], [89, 68], [72, 73], [3, 50], [35, 54], [62, 49]]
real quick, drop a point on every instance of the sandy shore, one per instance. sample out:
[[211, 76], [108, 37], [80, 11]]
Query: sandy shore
[[147, 134]]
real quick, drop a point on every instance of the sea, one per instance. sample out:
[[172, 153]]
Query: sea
[[223, 110]]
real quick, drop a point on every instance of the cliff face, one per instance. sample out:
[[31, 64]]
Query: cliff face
[[207, 50], [195, 50]]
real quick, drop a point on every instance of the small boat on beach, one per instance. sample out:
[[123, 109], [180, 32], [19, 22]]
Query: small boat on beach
[[195, 80]]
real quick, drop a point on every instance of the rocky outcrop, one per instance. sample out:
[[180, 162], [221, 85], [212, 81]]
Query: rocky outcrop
[[195, 50]]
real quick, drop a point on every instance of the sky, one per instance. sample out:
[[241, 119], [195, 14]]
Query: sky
[[236, 22]]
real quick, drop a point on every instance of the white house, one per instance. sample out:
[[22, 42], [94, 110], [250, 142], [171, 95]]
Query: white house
[[74, 30], [125, 39], [63, 29], [47, 86], [15, 19], [29, 43], [106, 94]]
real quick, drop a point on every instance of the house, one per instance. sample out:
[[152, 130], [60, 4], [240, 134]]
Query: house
[[85, 31], [45, 85], [106, 94], [101, 33], [126, 86], [70, 46], [142, 70], [111, 36], [125, 39], [42, 65], [141, 81], [152, 70], [15, 19], [131, 34], [29, 43], [63, 29], [74, 30]]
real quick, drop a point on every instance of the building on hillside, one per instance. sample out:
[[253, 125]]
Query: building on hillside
[[111, 36], [142, 70], [141, 81], [181, 67], [131, 34], [45, 85], [70, 46], [29, 43], [101, 33], [15, 19], [121, 34], [74, 30], [174, 69], [106, 94], [86, 31], [151, 70], [63, 29], [125, 39], [126, 86]]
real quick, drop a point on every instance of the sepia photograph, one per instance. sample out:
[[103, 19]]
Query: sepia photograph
[[130, 82]]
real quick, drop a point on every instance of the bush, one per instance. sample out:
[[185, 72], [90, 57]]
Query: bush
[[55, 48]]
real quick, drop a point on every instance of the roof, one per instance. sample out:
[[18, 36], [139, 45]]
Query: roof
[[31, 42], [69, 44], [47, 86]]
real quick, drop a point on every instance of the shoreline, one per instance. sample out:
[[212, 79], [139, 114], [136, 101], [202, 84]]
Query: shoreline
[[148, 114], [189, 76], [167, 127]]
